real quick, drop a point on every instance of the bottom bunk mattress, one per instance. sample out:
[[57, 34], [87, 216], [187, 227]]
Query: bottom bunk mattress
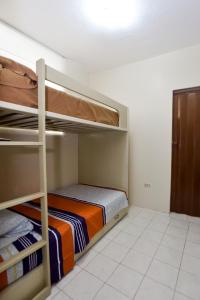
[[75, 215], [110, 200]]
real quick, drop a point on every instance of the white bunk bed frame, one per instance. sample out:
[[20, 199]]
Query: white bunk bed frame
[[36, 284]]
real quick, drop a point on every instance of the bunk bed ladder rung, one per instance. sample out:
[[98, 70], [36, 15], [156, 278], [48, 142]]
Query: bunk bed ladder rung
[[24, 199], [20, 143], [21, 255]]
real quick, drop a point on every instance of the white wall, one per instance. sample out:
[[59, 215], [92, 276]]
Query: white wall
[[103, 159], [25, 50], [19, 167], [146, 88]]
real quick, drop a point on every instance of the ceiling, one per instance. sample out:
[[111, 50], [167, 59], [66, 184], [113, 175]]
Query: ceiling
[[162, 26]]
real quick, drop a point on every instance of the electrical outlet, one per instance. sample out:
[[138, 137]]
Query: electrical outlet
[[147, 185]]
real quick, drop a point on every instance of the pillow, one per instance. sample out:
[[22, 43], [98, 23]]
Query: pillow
[[17, 68], [9, 221], [21, 230]]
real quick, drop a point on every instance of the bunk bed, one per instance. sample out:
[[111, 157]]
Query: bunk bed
[[89, 204]]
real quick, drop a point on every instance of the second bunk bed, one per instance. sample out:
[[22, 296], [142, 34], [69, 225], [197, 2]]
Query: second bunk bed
[[57, 224]]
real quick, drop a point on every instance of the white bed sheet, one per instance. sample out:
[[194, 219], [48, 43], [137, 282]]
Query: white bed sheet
[[113, 201]]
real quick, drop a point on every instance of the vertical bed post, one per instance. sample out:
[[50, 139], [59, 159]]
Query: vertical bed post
[[41, 73]]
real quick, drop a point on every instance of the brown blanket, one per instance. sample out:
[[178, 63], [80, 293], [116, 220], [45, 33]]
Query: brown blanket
[[18, 84]]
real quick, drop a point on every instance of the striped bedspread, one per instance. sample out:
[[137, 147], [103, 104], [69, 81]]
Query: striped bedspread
[[112, 201], [72, 224], [23, 267]]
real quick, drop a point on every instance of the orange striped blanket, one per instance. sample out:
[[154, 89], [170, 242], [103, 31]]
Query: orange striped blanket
[[72, 224]]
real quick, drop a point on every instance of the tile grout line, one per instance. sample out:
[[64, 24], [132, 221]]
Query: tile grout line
[[181, 262], [150, 221], [83, 268], [118, 263], [60, 290], [159, 244], [97, 253], [121, 230], [151, 261]]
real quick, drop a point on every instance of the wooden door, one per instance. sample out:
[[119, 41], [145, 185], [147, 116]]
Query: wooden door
[[185, 184]]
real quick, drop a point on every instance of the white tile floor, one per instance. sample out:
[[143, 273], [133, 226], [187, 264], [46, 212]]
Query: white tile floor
[[147, 256]]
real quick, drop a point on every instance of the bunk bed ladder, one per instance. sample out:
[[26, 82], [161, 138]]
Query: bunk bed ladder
[[42, 195], [41, 73]]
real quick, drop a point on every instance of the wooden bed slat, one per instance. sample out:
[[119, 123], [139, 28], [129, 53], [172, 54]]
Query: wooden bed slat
[[12, 117], [17, 121]]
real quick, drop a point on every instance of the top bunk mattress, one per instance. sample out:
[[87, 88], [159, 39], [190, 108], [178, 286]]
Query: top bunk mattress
[[111, 200], [18, 85]]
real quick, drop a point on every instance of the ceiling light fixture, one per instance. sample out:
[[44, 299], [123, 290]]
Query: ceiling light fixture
[[111, 14]]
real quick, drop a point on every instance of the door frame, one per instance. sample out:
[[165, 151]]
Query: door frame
[[173, 177]]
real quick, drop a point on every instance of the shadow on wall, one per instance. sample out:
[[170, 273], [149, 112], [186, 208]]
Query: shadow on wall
[[19, 167]]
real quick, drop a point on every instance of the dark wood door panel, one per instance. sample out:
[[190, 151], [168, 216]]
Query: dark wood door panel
[[185, 185]]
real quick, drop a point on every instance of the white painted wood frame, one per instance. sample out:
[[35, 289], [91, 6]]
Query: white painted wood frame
[[36, 284], [42, 194]]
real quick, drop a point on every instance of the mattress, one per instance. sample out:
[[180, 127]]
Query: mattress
[[71, 227], [112, 200], [75, 214], [18, 85]]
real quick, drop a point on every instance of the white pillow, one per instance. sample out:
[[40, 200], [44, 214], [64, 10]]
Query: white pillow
[[22, 229], [9, 221]]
